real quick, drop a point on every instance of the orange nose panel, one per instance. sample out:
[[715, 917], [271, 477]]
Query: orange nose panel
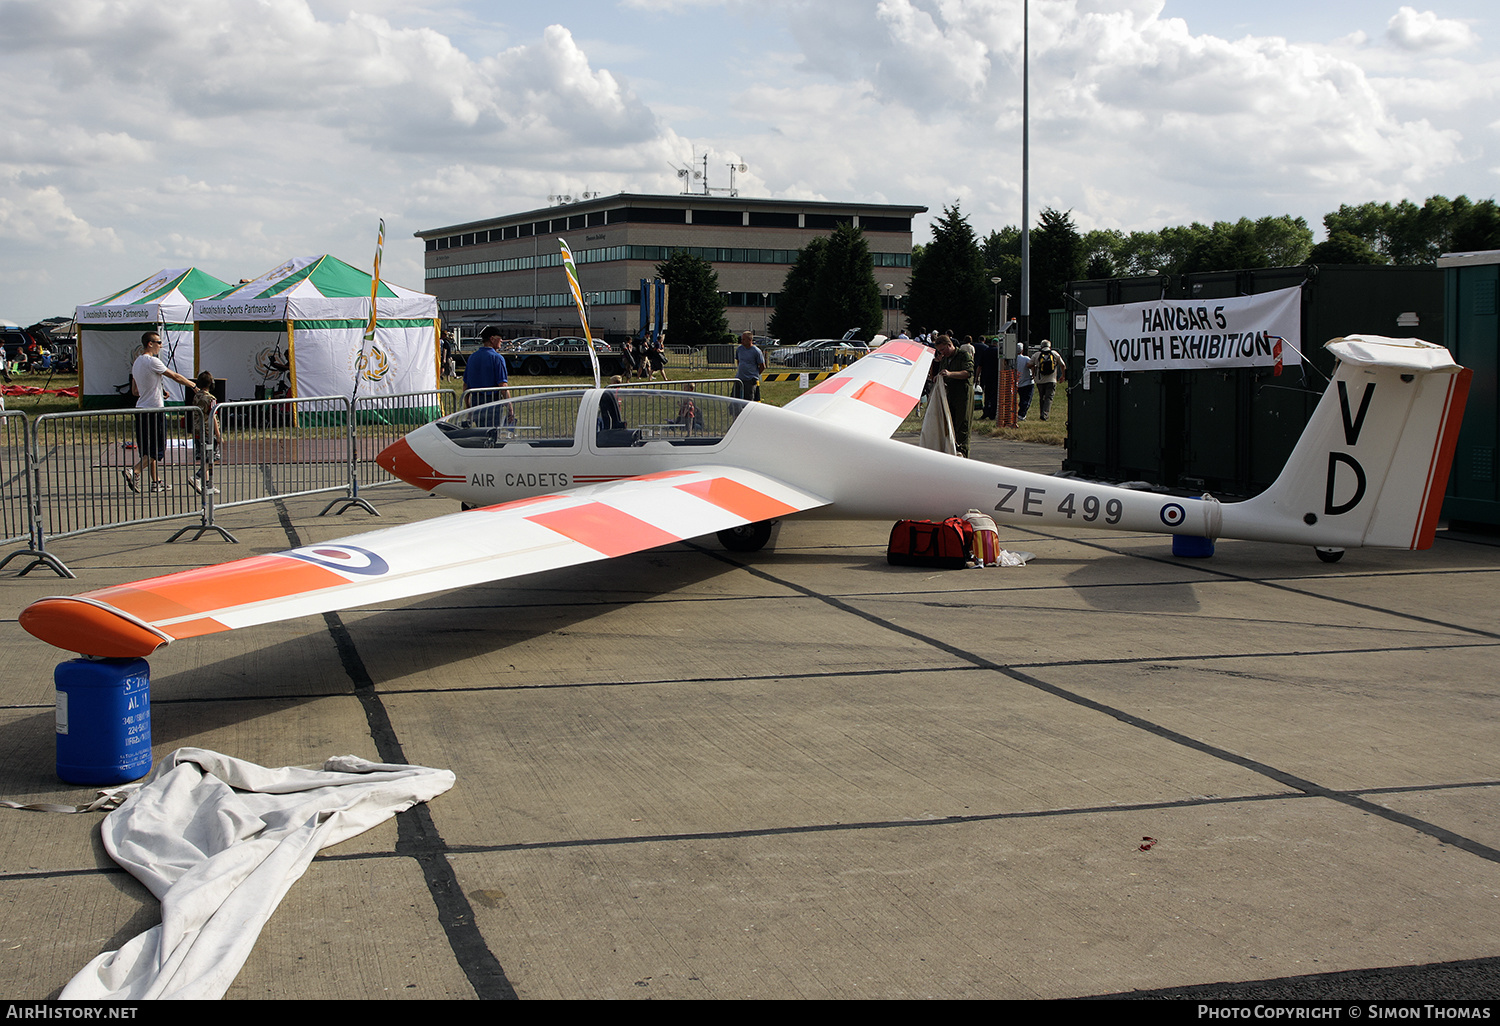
[[400, 460]]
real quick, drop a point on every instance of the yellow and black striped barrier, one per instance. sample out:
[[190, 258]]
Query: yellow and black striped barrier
[[813, 377]]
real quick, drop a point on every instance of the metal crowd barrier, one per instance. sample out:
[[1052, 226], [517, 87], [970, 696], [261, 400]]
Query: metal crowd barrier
[[83, 476], [19, 515], [279, 448], [380, 420], [708, 386]]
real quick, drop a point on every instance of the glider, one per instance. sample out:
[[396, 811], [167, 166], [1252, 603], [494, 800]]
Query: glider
[[574, 476]]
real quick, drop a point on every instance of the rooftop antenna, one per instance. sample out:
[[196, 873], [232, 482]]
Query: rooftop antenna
[[690, 173]]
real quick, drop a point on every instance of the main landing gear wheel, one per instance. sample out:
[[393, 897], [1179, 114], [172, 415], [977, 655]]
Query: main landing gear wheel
[[750, 538], [1329, 555]]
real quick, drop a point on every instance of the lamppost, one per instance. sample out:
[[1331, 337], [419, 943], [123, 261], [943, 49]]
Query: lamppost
[[996, 282], [765, 303], [888, 287]]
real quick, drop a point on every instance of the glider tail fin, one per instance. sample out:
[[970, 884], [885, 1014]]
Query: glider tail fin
[[1372, 465]]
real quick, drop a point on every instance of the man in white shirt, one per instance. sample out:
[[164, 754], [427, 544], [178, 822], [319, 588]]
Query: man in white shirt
[[147, 377]]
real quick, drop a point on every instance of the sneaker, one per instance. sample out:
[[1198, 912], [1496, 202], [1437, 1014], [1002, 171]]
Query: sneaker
[[129, 476], [160, 486], [195, 484]]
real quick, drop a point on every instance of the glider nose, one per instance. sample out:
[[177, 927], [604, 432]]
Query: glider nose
[[399, 459]]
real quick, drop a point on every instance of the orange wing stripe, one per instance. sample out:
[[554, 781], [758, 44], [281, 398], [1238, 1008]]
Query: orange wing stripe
[[741, 500], [195, 628], [827, 385], [604, 529], [883, 397], [903, 347], [217, 587]]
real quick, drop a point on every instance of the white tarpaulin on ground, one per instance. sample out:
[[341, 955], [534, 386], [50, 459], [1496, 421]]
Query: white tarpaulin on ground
[[220, 841], [110, 329], [1191, 334], [304, 322]]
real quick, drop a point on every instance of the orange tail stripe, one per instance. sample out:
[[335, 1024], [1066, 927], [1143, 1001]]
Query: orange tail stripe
[[741, 500], [217, 587], [1442, 459], [604, 529]]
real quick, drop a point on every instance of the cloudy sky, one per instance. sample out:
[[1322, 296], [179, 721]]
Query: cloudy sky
[[232, 134]]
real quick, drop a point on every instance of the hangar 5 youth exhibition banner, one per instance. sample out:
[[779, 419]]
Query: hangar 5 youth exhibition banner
[[1191, 334]]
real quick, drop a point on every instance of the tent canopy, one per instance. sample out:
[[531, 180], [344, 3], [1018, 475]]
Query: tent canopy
[[164, 298], [109, 332], [313, 288], [303, 322]]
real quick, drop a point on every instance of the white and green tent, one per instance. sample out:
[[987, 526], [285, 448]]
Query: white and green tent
[[304, 321], [109, 333]]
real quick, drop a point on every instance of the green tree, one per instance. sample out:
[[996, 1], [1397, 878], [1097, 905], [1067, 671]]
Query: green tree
[[1103, 254], [1408, 234], [1057, 257], [695, 310], [845, 295], [1269, 242], [793, 318], [948, 286], [1343, 247]]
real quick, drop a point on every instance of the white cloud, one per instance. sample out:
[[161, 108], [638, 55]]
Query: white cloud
[[42, 215], [1424, 30], [234, 133], [1136, 121]]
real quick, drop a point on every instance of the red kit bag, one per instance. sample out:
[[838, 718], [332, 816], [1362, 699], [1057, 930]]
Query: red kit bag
[[943, 545]]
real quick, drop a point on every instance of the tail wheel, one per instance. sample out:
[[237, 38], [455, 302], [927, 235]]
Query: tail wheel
[[749, 538], [1329, 555]]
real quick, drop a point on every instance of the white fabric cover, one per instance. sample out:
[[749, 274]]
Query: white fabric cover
[[937, 422], [220, 841]]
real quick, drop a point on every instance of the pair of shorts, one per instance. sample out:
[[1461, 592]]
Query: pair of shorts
[[151, 434]]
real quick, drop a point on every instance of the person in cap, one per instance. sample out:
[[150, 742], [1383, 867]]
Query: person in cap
[[1047, 368], [486, 370]]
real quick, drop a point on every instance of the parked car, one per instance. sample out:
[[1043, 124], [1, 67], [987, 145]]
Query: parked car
[[578, 344], [819, 353]]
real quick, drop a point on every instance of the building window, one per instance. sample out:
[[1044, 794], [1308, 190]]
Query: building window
[[770, 219]]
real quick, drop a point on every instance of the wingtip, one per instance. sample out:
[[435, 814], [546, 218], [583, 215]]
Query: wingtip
[[89, 628]]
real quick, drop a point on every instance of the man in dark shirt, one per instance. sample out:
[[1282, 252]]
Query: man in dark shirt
[[956, 369], [486, 369]]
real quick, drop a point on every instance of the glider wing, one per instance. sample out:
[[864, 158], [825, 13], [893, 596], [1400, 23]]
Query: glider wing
[[875, 394], [515, 538]]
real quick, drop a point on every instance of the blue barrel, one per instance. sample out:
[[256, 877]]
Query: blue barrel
[[103, 720], [1192, 546]]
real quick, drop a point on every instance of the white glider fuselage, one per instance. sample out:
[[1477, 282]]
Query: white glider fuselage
[[1369, 469]]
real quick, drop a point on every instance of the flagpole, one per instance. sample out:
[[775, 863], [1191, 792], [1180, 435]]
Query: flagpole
[[1023, 323]]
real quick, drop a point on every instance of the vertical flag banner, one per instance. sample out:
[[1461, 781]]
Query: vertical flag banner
[[648, 308], [661, 308], [375, 281], [567, 257]]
